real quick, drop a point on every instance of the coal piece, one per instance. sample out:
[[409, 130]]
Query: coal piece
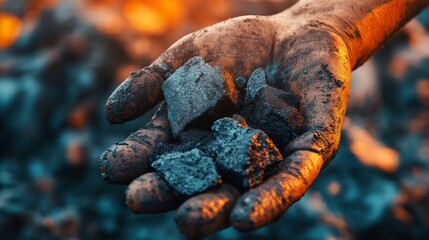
[[275, 112], [188, 140], [242, 154], [256, 83], [195, 135], [188, 173], [198, 93]]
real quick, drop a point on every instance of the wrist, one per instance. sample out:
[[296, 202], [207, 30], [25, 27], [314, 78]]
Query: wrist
[[363, 25]]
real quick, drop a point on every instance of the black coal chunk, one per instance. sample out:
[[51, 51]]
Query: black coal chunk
[[240, 82], [242, 154], [275, 112], [196, 136], [188, 140], [198, 94], [188, 173]]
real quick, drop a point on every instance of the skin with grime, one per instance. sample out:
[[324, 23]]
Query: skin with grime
[[309, 50]]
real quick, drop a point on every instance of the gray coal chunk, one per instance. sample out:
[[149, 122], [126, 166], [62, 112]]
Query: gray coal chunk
[[275, 112], [242, 154], [198, 94], [256, 83], [188, 173]]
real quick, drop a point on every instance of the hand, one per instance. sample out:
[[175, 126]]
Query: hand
[[304, 57]]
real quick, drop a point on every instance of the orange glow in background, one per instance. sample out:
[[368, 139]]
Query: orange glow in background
[[152, 16], [370, 151], [10, 27]]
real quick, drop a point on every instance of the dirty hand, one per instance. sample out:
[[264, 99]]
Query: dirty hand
[[309, 50], [299, 57]]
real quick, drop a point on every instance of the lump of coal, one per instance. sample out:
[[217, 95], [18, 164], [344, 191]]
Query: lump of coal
[[242, 154], [197, 93], [188, 173], [256, 83], [275, 112]]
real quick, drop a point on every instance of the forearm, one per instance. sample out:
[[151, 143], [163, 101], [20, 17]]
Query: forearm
[[364, 25]]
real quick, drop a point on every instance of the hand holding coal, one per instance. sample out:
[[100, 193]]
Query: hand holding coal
[[209, 146], [298, 100]]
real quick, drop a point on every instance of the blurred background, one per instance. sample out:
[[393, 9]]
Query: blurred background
[[61, 59]]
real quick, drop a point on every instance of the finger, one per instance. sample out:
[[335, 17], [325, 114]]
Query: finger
[[206, 213], [141, 91], [123, 162], [150, 193], [267, 202]]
